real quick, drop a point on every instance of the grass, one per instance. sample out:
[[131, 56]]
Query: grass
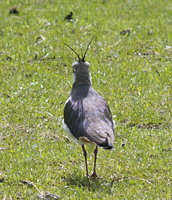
[[133, 73]]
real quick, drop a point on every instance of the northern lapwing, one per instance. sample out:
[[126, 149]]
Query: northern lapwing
[[87, 117]]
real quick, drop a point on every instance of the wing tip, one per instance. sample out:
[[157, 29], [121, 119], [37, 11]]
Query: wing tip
[[109, 147]]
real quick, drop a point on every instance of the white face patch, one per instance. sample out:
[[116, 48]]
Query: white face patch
[[74, 77], [90, 77]]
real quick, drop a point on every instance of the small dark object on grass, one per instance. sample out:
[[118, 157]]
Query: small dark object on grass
[[1, 180], [14, 10], [28, 75], [27, 183], [48, 195], [123, 144], [125, 32], [36, 55], [69, 17], [157, 72], [8, 58]]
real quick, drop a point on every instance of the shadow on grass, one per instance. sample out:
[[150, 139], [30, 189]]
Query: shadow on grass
[[91, 184]]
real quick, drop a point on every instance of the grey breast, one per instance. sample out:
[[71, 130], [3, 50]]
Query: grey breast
[[87, 115]]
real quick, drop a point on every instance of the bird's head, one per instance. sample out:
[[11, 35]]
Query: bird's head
[[81, 73]]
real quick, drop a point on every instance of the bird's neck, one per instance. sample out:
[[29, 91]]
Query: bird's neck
[[82, 78]]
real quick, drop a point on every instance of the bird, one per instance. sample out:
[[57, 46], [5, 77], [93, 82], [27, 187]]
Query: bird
[[87, 116], [69, 16]]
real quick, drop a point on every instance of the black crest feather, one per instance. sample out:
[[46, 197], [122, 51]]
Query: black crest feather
[[83, 56]]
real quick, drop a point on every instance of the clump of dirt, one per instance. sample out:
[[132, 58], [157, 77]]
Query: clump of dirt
[[14, 10]]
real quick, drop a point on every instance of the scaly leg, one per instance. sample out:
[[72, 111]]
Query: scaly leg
[[95, 158], [85, 155]]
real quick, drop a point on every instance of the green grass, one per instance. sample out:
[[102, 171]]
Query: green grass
[[133, 73]]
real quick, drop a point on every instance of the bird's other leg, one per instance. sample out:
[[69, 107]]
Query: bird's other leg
[[95, 158], [85, 155]]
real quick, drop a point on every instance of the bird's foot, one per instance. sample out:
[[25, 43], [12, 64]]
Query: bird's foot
[[94, 175]]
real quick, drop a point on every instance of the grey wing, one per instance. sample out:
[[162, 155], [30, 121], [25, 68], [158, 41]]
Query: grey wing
[[74, 117], [90, 118], [98, 121]]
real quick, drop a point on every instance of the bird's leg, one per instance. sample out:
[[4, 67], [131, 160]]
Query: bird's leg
[[95, 157], [85, 155]]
